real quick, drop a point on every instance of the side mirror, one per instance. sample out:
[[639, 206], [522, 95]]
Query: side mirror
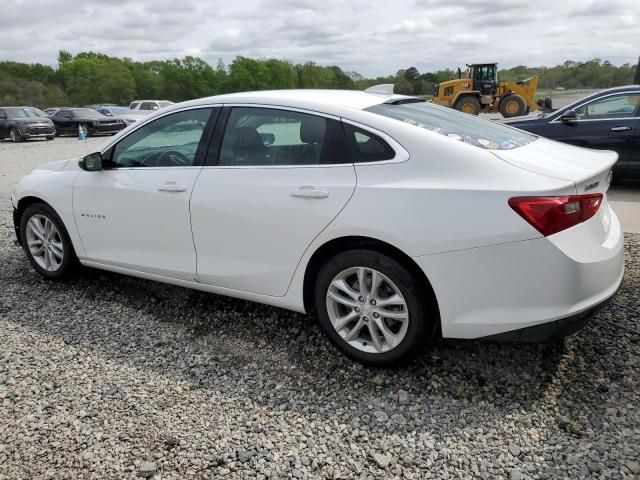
[[92, 162], [569, 117]]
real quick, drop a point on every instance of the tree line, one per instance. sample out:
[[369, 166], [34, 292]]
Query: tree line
[[90, 77]]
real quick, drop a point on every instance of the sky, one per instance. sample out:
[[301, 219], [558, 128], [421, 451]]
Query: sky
[[372, 37]]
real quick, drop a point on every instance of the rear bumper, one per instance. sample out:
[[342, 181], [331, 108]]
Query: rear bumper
[[520, 286], [550, 330]]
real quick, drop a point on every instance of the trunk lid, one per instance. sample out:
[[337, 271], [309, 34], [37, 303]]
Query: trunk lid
[[589, 170]]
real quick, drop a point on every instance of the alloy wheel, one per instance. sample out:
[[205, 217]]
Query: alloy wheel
[[45, 242], [367, 310]]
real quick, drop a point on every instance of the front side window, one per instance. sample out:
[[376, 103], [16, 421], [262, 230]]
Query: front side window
[[615, 106], [169, 141], [264, 136], [456, 125]]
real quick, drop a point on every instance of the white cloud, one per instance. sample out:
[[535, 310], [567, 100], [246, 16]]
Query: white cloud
[[469, 39], [373, 38]]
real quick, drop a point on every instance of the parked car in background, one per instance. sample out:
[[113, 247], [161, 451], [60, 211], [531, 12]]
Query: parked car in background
[[70, 120], [24, 123], [393, 218], [606, 120], [149, 105], [51, 111], [123, 113]]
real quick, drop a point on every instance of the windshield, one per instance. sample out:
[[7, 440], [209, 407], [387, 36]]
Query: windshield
[[87, 113], [456, 125], [22, 113]]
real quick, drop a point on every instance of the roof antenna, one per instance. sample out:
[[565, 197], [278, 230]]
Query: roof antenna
[[382, 89]]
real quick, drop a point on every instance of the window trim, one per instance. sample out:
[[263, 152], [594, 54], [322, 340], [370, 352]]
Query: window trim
[[575, 106], [201, 152]]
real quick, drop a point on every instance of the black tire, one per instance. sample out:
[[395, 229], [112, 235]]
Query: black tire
[[512, 105], [528, 110], [14, 135], [468, 104], [51, 137], [548, 103], [69, 260], [56, 131], [421, 327], [85, 129]]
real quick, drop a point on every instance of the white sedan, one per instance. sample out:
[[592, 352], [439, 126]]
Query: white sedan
[[394, 219]]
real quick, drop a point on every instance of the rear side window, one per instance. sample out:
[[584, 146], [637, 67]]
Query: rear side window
[[365, 146], [266, 136], [456, 125], [134, 105]]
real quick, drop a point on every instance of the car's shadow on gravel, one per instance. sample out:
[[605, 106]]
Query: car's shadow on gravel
[[281, 358]]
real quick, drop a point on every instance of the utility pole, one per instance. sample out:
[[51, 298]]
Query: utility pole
[[636, 78]]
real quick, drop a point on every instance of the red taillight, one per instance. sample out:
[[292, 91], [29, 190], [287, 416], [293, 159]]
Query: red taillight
[[551, 215]]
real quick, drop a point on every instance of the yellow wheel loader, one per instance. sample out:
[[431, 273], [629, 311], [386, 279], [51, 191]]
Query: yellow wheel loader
[[481, 91]]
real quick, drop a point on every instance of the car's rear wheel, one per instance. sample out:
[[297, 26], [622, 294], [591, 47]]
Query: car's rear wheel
[[51, 137], [14, 136], [46, 242], [372, 308]]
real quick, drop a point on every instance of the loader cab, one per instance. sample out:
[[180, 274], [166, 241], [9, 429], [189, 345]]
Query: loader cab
[[484, 77]]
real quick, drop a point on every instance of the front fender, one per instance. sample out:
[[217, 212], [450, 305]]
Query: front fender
[[54, 189]]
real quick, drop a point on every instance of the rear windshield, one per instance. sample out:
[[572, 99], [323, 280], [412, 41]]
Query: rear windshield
[[456, 125]]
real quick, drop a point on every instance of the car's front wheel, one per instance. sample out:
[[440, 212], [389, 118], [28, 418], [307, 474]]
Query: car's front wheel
[[14, 136], [372, 308], [46, 242]]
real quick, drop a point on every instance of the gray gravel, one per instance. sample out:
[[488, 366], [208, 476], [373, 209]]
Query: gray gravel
[[106, 376]]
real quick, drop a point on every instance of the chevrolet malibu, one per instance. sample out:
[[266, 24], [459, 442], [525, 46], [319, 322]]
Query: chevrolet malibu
[[394, 219]]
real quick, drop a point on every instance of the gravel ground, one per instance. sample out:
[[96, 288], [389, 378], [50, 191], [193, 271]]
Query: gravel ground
[[107, 376]]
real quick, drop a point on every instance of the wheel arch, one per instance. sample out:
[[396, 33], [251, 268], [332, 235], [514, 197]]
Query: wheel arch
[[340, 244], [23, 204]]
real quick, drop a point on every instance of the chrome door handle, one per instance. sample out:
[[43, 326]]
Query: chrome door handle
[[171, 187], [619, 129], [310, 192]]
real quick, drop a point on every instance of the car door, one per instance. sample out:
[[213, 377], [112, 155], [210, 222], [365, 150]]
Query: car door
[[634, 153], [134, 213], [605, 123], [63, 121], [274, 179]]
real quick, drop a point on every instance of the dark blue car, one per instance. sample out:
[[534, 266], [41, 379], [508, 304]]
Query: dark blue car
[[607, 120]]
